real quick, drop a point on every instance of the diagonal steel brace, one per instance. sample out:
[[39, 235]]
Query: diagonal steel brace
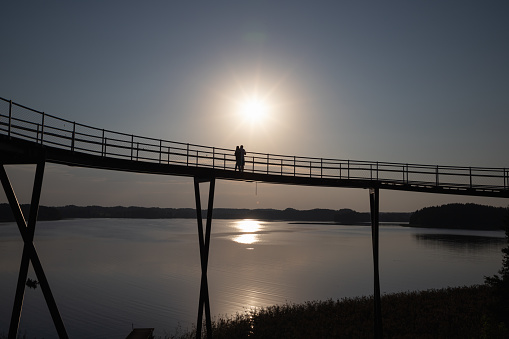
[[29, 252], [204, 254]]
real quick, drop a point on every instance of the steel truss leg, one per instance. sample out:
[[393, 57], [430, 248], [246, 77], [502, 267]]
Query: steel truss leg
[[374, 203], [204, 254], [29, 252]]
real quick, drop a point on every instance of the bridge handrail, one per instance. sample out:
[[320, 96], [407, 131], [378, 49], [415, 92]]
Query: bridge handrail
[[36, 126]]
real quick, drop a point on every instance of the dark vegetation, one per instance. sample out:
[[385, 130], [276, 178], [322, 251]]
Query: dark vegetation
[[459, 216], [317, 214], [73, 212], [452, 216], [499, 283], [461, 312], [347, 216], [45, 213], [343, 216]]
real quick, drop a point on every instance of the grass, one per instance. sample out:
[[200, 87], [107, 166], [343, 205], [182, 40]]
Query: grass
[[462, 312]]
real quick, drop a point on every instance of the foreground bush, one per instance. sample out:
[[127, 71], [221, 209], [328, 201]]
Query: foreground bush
[[446, 313], [462, 312]]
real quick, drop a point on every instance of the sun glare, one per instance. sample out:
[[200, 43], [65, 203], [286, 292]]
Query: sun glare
[[253, 109], [254, 112]]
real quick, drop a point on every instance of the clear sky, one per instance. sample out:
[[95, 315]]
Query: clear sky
[[400, 81]]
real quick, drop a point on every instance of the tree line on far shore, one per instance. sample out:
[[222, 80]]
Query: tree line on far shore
[[289, 214], [460, 216], [453, 216]]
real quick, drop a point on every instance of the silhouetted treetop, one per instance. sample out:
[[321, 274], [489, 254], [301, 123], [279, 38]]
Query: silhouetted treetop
[[459, 216]]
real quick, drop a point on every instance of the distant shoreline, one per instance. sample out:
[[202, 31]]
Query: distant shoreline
[[132, 212], [451, 216], [347, 224]]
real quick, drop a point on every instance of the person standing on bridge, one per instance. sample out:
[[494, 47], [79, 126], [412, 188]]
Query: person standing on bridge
[[237, 158], [242, 157]]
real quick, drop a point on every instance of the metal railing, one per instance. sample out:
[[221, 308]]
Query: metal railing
[[21, 122]]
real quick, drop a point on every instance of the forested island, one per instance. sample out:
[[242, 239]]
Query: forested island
[[452, 216], [460, 216]]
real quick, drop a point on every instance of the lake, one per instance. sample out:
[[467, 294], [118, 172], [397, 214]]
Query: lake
[[108, 275]]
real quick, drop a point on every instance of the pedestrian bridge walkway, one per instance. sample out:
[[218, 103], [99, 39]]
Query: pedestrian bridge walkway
[[26, 133]]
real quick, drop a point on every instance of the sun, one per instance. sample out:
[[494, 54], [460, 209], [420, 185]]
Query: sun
[[253, 108], [253, 111]]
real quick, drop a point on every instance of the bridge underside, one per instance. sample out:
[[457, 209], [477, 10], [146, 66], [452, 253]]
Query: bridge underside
[[17, 151]]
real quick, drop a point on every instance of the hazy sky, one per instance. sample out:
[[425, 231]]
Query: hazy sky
[[402, 81]]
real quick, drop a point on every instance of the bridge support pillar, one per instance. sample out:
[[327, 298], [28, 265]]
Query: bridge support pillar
[[204, 254], [374, 203], [29, 253]]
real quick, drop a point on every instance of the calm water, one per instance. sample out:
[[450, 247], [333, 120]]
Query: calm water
[[110, 274]]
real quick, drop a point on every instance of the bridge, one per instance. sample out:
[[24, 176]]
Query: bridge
[[29, 136], [27, 133]]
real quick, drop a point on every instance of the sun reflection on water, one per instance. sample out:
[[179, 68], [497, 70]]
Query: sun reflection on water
[[246, 238], [248, 229]]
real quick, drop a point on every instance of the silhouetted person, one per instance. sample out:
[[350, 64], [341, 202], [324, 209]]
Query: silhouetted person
[[237, 158], [242, 157]]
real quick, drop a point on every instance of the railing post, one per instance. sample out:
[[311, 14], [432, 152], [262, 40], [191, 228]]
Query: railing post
[[371, 171], [160, 149], [187, 158], [102, 148], [73, 135], [42, 128], [224, 161], [310, 169], [377, 171], [213, 157], [169, 151], [340, 174], [197, 156], [470, 175], [348, 172], [267, 163], [321, 167], [406, 173], [137, 150], [294, 165], [10, 118], [132, 146], [437, 176]]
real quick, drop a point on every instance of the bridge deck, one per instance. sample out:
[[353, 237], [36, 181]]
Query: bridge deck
[[27, 134]]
